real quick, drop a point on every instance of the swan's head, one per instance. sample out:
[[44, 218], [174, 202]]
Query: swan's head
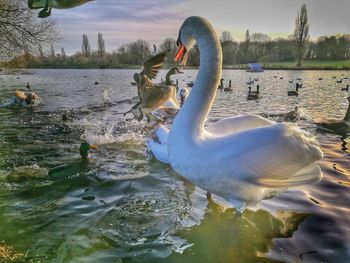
[[185, 41]]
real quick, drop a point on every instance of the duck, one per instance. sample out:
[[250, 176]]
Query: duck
[[218, 158], [229, 88], [47, 5], [253, 95], [345, 89], [294, 92], [341, 127], [340, 81], [320, 78], [76, 166]]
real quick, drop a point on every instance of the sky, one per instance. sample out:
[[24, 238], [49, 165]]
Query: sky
[[123, 21]]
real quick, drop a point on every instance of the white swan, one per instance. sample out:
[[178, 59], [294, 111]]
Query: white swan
[[242, 159]]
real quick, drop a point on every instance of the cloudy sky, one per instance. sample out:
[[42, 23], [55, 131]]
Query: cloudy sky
[[122, 21]]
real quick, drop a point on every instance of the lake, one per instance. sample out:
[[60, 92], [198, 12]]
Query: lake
[[122, 205]]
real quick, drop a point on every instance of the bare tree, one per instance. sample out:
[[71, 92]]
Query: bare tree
[[226, 37], [85, 48], [100, 45], [259, 37], [21, 31], [301, 33]]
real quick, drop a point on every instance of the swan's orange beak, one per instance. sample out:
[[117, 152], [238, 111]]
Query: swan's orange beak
[[181, 54]]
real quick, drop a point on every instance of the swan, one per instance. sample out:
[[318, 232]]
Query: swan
[[242, 159]]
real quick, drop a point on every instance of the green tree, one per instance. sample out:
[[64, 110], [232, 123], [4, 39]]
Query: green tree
[[301, 33], [100, 45]]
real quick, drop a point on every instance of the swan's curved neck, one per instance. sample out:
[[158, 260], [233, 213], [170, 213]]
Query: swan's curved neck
[[190, 120], [347, 115]]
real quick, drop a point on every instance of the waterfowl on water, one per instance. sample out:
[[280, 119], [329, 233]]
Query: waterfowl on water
[[294, 92], [218, 157], [76, 166], [253, 95], [183, 96], [85, 148], [345, 89], [292, 115], [153, 96], [341, 127], [340, 81], [47, 5], [229, 88], [221, 85]]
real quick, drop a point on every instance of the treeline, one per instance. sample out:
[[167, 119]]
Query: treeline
[[256, 47]]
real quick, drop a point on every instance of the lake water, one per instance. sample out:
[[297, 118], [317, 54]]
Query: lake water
[[124, 206]]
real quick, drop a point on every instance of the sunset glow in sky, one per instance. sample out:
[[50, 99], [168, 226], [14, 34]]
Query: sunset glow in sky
[[122, 21]]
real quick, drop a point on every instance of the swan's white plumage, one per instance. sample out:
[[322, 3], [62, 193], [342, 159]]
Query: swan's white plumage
[[242, 159], [157, 144]]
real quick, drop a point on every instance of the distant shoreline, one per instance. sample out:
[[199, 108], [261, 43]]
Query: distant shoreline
[[307, 65]]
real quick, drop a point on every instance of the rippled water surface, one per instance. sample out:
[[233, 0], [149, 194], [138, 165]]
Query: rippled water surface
[[124, 206]]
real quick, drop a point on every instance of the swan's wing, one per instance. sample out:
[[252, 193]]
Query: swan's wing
[[158, 144], [151, 67], [237, 123], [279, 155]]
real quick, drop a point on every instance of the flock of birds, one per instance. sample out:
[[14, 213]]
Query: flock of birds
[[242, 159], [218, 156]]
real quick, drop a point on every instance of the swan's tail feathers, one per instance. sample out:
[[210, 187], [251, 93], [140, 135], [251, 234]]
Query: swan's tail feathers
[[308, 175]]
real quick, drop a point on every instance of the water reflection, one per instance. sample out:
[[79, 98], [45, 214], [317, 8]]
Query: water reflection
[[245, 238]]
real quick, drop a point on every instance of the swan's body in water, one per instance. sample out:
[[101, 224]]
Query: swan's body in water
[[242, 159]]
